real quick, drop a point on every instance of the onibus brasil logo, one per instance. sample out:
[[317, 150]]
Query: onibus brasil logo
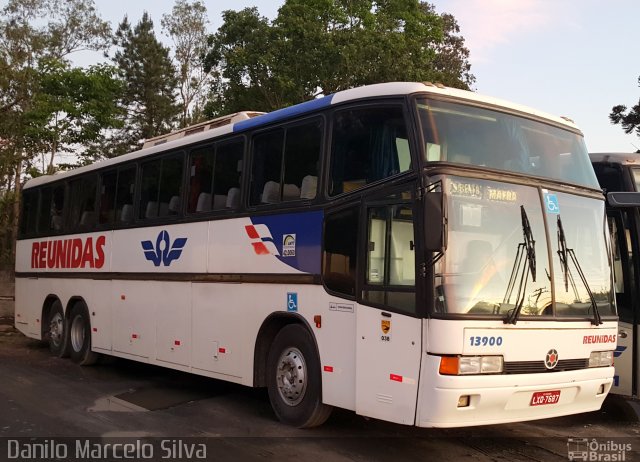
[[164, 251]]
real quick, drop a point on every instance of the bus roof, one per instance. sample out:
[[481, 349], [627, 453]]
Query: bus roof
[[369, 91]]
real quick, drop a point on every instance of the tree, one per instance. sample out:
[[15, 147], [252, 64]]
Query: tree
[[186, 25], [317, 47], [33, 32], [150, 80], [629, 120], [72, 108]]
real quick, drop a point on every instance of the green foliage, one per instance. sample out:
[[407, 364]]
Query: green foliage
[[318, 47], [629, 120], [145, 66], [72, 108]]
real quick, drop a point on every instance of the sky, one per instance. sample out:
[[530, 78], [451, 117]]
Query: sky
[[575, 58]]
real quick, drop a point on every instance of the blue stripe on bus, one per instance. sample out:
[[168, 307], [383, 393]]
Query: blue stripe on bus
[[285, 113], [305, 229]]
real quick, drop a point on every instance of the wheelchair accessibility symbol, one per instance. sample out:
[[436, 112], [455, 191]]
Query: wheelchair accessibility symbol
[[551, 203], [292, 301]]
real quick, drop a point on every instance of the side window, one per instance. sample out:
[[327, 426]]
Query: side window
[[227, 175], [369, 144], [108, 185], [266, 168], [29, 216], [82, 194], [215, 174], [301, 158], [116, 195], [161, 182], [390, 272], [51, 214], [340, 251], [285, 164], [124, 194]]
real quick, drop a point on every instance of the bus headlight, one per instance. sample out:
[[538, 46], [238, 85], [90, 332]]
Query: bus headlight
[[468, 365], [601, 358]]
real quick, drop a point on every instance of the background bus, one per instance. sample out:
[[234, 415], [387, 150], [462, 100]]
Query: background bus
[[619, 176], [410, 252]]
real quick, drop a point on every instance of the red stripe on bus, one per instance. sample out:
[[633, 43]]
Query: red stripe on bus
[[251, 232]]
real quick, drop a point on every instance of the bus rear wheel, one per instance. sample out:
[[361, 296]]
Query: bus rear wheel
[[57, 331], [294, 380], [80, 336]]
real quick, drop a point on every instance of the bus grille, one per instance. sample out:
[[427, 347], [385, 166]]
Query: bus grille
[[535, 367]]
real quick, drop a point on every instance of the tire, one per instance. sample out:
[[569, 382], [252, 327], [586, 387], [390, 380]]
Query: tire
[[294, 379], [79, 327], [57, 332]]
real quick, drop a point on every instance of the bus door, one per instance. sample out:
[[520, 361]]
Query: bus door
[[625, 356], [388, 332]]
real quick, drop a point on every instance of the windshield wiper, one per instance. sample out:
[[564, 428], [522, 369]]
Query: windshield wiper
[[563, 253], [526, 249]]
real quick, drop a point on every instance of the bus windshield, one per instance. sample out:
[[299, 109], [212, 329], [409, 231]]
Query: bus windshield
[[470, 135], [497, 257]]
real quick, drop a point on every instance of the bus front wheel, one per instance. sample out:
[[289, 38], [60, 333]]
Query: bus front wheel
[[294, 380], [80, 336]]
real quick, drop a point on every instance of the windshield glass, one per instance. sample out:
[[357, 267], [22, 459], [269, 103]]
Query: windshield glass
[[497, 258], [577, 231], [470, 135], [496, 254]]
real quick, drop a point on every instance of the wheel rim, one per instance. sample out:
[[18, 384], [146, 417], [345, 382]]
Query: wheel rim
[[291, 376], [56, 329], [77, 333]]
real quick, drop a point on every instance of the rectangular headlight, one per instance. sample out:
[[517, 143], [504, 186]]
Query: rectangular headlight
[[469, 365], [601, 358]]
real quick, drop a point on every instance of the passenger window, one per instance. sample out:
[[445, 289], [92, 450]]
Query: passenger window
[[301, 157], [29, 215], [281, 175], [266, 169], [390, 274], [340, 251], [215, 177], [227, 175], [108, 185], [161, 187], [201, 180], [82, 213], [116, 196], [51, 214], [369, 144], [124, 194]]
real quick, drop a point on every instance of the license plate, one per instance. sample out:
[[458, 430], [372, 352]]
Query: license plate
[[545, 397]]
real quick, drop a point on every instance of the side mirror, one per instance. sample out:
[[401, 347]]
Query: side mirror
[[623, 199], [435, 221]]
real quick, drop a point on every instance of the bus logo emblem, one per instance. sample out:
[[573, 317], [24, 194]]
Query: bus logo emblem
[[163, 252], [551, 360], [289, 245], [385, 326], [261, 240]]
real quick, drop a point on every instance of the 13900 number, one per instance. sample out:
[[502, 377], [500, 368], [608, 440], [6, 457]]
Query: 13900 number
[[485, 341]]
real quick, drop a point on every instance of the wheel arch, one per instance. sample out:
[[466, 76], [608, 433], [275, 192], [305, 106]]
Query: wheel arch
[[266, 334]]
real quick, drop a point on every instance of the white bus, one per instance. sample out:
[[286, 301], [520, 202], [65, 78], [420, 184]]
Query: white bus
[[414, 253]]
